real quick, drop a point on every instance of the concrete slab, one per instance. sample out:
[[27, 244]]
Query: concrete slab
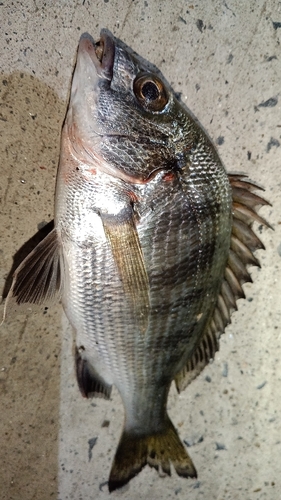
[[224, 57]]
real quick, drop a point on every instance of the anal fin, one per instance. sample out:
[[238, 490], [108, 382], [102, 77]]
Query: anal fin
[[89, 382]]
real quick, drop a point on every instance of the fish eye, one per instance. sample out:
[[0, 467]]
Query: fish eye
[[150, 92]]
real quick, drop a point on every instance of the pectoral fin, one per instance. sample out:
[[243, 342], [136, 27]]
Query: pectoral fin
[[39, 278], [127, 253]]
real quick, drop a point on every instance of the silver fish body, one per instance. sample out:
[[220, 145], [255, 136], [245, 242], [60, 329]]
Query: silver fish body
[[181, 213], [152, 238]]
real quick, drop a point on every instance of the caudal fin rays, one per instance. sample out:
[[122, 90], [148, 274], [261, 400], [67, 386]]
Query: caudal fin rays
[[158, 450]]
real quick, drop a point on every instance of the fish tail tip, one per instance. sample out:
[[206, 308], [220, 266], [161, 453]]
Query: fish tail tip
[[129, 460], [157, 450]]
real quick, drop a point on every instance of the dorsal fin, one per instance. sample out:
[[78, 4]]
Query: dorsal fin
[[39, 278], [243, 243]]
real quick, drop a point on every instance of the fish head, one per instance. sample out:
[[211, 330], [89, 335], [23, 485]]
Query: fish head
[[123, 117]]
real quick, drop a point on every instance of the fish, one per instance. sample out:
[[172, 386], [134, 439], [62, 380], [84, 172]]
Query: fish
[[150, 249]]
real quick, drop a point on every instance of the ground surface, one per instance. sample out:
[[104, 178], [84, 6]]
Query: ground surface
[[224, 58]]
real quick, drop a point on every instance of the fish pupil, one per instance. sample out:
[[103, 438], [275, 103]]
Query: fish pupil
[[150, 91]]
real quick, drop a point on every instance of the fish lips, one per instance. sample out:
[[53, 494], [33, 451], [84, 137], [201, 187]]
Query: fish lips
[[101, 52], [94, 64]]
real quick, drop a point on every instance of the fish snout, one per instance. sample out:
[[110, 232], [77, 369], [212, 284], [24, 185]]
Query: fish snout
[[101, 52]]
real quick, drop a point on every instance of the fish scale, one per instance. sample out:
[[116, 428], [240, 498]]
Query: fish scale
[[150, 247], [96, 330]]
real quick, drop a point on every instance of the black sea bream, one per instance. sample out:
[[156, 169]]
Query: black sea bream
[[149, 251]]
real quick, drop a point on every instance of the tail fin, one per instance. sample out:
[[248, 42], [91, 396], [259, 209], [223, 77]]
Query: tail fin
[[156, 450]]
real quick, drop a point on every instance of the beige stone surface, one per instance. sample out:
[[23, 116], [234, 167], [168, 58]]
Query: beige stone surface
[[224, 58]]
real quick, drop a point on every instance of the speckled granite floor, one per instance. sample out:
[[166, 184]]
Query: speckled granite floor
[[224, 59]]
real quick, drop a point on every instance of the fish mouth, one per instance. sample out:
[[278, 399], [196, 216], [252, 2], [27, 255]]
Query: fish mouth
[[101, 52]]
